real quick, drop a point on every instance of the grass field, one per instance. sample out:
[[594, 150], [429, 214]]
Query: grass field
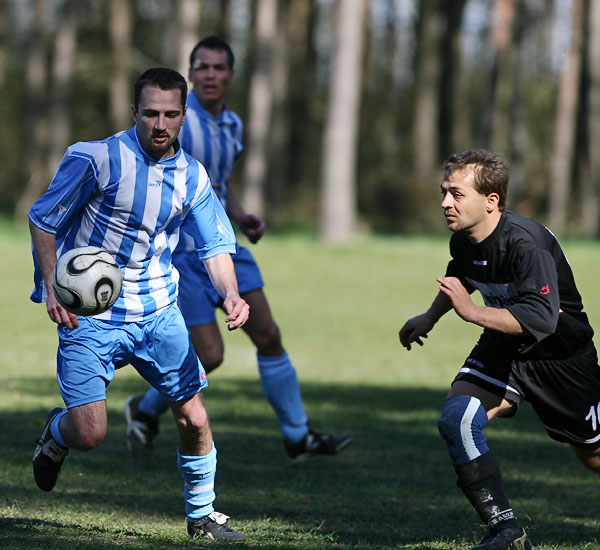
[[340, 309]]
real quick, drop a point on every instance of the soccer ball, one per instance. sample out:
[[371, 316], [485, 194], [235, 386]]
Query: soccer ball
[[87, 280]]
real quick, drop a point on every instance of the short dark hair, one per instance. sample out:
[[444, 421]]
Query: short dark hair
[[164, 78], [490, 171], [214, 42]]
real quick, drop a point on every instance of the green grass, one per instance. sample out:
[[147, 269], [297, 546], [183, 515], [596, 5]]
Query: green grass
[[339, 309]]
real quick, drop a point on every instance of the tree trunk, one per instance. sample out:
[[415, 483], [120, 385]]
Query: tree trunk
[[260, 106], [181, 34], [37, 113], [338, 184], [591, 194], [224, 22], [518, 132], [301, 83], [279, 135], [564, 129], [425, 128], [120, 85], [62, 70], [497, 134], [3, 41], [450, 75]]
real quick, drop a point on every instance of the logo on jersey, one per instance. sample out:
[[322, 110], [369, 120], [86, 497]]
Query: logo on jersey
[[494, 294], [545, 290], [156, 183], [479, 262], [203, 377]]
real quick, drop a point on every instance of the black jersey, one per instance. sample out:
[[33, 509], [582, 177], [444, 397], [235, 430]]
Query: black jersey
[[522, 268]]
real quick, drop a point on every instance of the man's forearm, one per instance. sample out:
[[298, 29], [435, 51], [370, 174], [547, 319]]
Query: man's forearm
[[222, 274], [497, 319], [44, 245]]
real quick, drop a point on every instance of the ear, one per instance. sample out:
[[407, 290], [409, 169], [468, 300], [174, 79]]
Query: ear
[[491, 202], [134, 113]]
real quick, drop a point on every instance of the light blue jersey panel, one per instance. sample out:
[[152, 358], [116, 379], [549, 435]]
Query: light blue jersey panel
[[113, 195], [215, 141]]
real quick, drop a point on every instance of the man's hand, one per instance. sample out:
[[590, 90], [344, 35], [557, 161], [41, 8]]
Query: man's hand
[[237, 311], [253, 227], [460, 298], [414, 330], [59, 314]]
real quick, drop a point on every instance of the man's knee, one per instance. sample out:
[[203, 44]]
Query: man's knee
[[212, 360], [210, 354], [192, 418], [461, 426], [268, 341], [84, 427], [85, 437]]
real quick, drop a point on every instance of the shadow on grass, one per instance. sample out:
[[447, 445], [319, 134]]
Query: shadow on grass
[[394, 486]]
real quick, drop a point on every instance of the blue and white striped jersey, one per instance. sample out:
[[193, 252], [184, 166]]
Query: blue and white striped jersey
[[216, 141], [112, 194]]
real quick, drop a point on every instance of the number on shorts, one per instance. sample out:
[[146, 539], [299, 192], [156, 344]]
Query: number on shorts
[[594, 415]]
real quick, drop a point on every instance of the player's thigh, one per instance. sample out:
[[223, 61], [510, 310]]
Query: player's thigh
[[492, 403], [565, 394], [165, 357], [590, 458], [87, 357], [208, 344]]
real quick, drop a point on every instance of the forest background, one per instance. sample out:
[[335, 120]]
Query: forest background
[[350, 106]]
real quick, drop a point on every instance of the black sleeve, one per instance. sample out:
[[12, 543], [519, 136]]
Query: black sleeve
[[537, 302]]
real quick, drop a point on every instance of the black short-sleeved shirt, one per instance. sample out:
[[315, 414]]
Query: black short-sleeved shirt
[[522, 268]]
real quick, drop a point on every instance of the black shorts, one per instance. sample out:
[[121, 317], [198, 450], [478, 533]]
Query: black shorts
[[565, 394]]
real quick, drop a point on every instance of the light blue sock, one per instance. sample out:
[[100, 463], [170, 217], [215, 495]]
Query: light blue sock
[[55, 429], [198, 483], [280, 386], [153, 403]]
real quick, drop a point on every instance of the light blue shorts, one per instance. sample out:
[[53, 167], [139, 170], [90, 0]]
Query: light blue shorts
[[198, 298], [160, 349]]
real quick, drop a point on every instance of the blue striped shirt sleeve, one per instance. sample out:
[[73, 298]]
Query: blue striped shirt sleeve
[[69, 191], [208, 224]]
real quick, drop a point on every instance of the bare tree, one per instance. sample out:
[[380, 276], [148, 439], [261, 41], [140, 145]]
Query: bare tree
[[120, 33], [564, 130], [518, 138], [590, 208], [337, 217], [37, 114], [224, 21], [496, 125], [182, 32], [189, 12], [450, 75], [427, 78], [63, 69], [3, 41], [279, 134], [260, 106], [302, 69]]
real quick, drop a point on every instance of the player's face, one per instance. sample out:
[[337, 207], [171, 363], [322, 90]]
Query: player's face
[[158, 117], [465, 208], [211, 76]]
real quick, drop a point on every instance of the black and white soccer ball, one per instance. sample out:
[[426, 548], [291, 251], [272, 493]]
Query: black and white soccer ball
[[87, 280]]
